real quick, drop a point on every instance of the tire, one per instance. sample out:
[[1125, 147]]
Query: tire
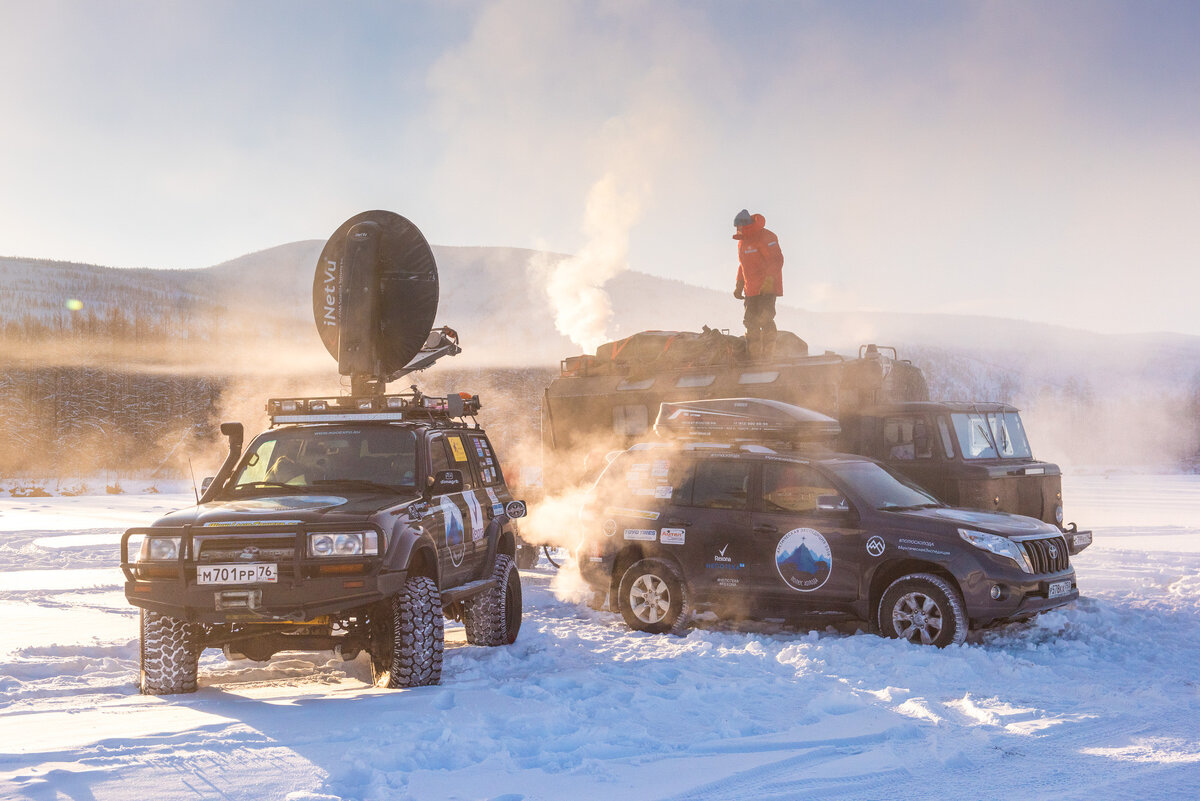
[[925, 609], [170, 653], [494, 617], [409, 636], [527, 556], [653, 598]]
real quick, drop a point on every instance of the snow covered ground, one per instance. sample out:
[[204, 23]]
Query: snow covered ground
[[1100, 700]]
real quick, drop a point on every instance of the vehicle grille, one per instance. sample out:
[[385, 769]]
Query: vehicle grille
[[245, 549], [1048, 555]]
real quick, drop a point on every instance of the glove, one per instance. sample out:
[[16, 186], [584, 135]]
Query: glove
[[737, 291]]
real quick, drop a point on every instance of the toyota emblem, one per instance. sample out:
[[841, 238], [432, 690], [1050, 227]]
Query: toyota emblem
[[1053, 551]]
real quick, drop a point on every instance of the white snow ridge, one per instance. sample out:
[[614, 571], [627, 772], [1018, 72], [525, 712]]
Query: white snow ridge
[[1098, 700]]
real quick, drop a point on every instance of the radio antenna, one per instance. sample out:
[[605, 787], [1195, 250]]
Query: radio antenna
[[193, 472]]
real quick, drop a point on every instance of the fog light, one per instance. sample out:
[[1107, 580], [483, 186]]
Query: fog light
[[996, 592], [288, 406]]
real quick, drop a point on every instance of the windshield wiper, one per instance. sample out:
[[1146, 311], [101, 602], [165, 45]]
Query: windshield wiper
[[359, 482], [891, 507]]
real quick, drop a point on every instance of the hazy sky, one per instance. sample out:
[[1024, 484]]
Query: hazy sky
[[1038, 160]]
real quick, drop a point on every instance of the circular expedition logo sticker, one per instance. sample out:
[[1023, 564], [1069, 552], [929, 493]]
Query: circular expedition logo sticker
[[803, 559]]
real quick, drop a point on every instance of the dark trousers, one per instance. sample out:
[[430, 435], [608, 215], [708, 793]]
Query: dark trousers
[[760, 325], [760, 314]]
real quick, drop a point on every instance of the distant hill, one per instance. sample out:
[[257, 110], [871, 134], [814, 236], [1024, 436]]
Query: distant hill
[[1130, 396]]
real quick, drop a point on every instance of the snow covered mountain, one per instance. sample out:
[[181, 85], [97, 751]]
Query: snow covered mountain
[[1113, 397]]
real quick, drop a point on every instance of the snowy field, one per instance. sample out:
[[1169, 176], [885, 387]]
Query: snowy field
[[1100, 700]]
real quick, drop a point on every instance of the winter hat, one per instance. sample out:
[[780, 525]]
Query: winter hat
[[743, 218]]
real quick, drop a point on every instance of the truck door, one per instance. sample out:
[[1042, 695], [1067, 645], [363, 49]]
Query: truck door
[[724, 554], [914, 446], [815, 556], [451, 524]]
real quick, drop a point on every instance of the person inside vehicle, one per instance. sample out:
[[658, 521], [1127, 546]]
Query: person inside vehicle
[[759, 280]]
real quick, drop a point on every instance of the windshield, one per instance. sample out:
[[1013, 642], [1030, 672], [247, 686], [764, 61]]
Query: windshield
[[380, 457], [991, 435], [879, 488]]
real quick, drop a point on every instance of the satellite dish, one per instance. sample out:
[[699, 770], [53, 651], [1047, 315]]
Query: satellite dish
[[375, 296]]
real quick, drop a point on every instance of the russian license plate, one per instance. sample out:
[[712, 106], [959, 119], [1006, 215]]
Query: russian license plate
[[1058, 588], [237, 574]]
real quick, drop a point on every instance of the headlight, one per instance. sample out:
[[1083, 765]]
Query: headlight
[[350, 543], [1058, 514], [159, 549], [1001, 546]]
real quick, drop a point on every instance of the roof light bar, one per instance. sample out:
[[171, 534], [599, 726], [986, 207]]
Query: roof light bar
[[405, 406]]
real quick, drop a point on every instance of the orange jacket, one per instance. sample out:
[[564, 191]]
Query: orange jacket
[[760, 259]]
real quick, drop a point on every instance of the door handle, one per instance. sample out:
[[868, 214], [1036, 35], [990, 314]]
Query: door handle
[[675, 521], [765, 528]]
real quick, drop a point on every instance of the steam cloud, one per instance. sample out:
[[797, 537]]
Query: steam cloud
[[575, 285]]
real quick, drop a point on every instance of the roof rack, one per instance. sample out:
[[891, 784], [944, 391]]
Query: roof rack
[[411, 406]]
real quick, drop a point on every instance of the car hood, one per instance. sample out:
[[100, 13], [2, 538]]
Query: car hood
[[1002, 523], [284, 509]]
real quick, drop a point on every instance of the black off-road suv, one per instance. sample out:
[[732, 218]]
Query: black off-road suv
[[739, 515], [353, 524]]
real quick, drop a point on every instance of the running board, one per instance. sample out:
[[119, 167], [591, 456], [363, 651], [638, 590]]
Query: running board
[[467, 590]]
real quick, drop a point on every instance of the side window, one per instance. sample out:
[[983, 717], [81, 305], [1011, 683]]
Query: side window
[[906, 438], [793, 487], [439, 456], [721, 484], [486, 463], [647, 474], [947, 441]]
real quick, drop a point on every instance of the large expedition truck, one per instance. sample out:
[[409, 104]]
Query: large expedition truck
[[967, 454]]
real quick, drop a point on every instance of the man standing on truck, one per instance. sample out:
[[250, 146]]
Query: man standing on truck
[[759, 280]]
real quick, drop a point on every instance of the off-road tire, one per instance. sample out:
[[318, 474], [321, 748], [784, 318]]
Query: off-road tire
[[170, 651], [653, 597], [494, 617], [409, 636], [943, 615]]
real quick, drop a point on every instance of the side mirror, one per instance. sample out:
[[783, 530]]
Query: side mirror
[[204, 485], [446, 482], [832, 503]]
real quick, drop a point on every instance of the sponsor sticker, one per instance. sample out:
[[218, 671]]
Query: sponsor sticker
[[609, 527], [664, 492], [920, 546], [876, 546], [497, 507], [227, 523], [456, 447], [803, 559], [476, 512], [641, 534], [641, 514], [673, 536]]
